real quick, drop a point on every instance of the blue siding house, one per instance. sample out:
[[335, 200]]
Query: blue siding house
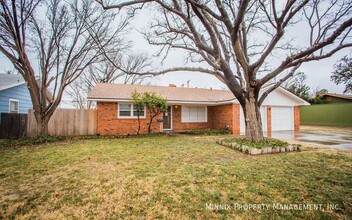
[[14, 95]]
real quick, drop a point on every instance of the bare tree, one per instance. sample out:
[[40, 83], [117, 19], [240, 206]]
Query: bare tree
[[62, 37], [245, 43], [113, 69]]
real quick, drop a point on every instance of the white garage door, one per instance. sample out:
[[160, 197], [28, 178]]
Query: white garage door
[[282, 118], [262, 114]]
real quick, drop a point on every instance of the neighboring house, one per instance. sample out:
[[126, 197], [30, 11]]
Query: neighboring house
[[190, 109], [14, 94], [331, 98]]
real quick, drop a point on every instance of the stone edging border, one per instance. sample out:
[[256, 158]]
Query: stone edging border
[[266, 150]]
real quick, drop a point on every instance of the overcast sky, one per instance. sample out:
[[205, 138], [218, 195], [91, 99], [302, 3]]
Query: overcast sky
[[318, 72]]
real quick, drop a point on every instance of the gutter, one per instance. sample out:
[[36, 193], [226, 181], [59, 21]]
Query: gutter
[[169, 101], [12, 85]]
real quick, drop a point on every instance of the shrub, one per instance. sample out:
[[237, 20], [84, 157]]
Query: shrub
[[267, 142], [207, 132]]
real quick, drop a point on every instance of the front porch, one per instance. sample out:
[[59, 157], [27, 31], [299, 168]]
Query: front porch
[[185, 117]]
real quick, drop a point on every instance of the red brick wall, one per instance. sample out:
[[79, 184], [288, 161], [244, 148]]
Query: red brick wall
[[236, 119], [109, 124], [218, 118], [297, 118], [268, 119], [177, 125], [223, 115]]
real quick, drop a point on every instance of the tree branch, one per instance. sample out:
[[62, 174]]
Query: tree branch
[[277, 84]]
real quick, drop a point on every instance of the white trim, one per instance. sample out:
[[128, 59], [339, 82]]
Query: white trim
[[294, 96], [215, 103], [18, 105], [289, 94], [174, 102], [264, 117], [12, 85], [206, 114], [172, 115], [131, 111]]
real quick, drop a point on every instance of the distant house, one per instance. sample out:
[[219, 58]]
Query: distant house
[[331, 98], [14, 94], [190, 109]]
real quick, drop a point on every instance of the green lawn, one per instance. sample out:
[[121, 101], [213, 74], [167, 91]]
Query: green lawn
[[168, 177], [327, 129]]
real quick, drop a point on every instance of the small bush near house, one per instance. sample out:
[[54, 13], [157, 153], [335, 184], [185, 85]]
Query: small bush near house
[[267, 142], [207, 132]]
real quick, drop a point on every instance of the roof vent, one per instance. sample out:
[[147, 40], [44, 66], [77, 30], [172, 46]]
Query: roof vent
[[172, 85]]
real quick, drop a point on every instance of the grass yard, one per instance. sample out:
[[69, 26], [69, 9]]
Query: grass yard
[[326, 129], [168, 177]]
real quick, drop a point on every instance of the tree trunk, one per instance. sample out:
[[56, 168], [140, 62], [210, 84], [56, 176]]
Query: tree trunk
[[42, 124], [150, 124], [254, 130], [43, 128], [139, 124]]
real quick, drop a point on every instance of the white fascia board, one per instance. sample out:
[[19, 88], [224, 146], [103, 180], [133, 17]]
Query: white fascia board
[[11, 85], [304, 102], [290, 94], [175, 102], [108, 100]]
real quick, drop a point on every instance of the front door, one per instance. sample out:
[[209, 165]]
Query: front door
[[167, 119]]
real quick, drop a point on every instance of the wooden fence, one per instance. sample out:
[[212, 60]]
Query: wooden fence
[[13, 125], [67, 122], [327, 114]]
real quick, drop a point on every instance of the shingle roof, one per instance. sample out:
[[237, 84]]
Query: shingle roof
[[123, 92], [349, 97], [8, 81]]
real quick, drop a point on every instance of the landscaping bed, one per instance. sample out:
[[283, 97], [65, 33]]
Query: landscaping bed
[[267, 146]]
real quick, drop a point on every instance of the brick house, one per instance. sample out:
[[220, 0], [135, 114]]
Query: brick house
[[190, 109]]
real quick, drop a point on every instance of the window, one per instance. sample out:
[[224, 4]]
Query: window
[[13, 106], [127, 110], [136, 109], [194, 114]]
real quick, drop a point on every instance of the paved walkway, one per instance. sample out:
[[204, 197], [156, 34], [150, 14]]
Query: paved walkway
[[333, 140]]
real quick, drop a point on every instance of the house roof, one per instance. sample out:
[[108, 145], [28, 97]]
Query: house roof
[[349, 97], [8, 81], [123, 92]]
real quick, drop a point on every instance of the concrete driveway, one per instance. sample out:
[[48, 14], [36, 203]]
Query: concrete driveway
[[333, 140]]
